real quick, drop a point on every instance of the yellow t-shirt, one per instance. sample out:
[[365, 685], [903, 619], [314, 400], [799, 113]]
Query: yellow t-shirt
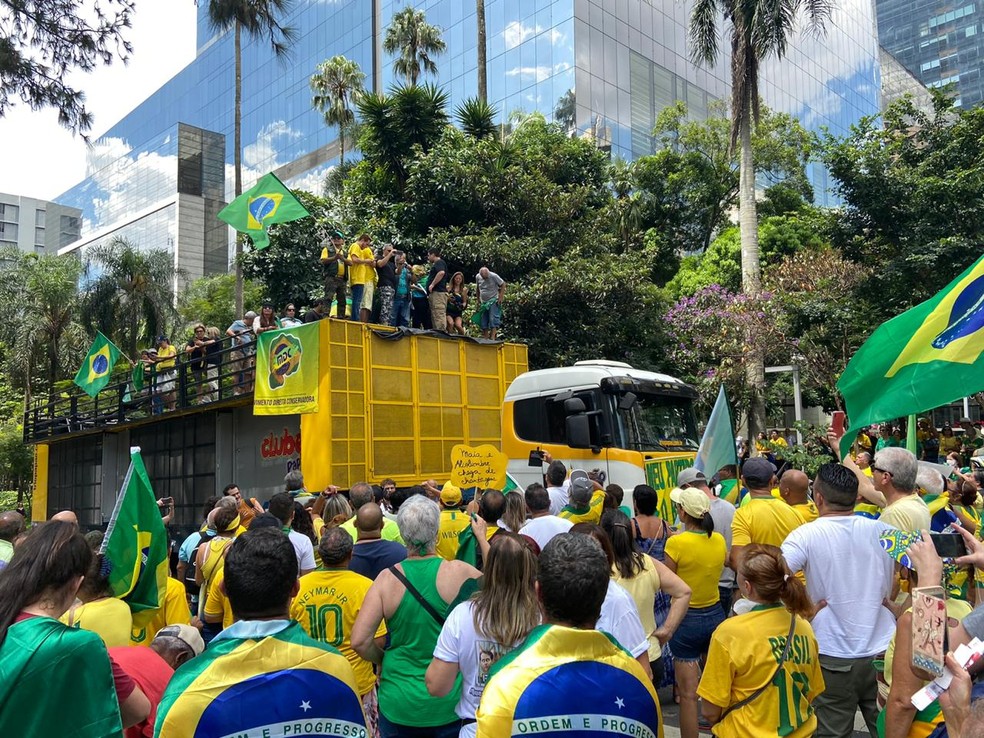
[[108, 617], [360, 273], [909, 513], [643, 588], [743, 656], [700, 561], [326, 607], [164, 362], [591, 515], [808, 511], [174, 612], [391, 531], [452, 523], [764, 520], [217, 601]]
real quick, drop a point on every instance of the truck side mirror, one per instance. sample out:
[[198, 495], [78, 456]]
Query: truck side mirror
[[574, 406], [578, 429]]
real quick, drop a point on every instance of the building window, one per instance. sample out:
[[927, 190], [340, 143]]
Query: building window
[[8, 231], [39, 236], [9, 213], [39, 218]]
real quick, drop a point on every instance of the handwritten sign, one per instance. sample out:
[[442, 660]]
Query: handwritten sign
[[478, 466]]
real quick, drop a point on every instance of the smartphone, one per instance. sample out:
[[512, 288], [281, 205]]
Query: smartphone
[[949, 545], [536, 458], [837, 422], [929, 625]]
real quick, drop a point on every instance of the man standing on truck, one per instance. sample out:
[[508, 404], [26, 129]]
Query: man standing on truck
[[491, 289], [437, 289], [333, 270]]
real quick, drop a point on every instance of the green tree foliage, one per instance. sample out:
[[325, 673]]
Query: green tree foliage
[[44, 41], [336, 84], [129, 293], [913, 188], [289, 269], [415, 42], [476, 117], [212, 300]]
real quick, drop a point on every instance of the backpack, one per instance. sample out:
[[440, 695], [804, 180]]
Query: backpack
[[191, 586]]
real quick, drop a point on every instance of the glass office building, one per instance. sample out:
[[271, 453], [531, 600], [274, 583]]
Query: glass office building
[[603, 67], [941, 43]]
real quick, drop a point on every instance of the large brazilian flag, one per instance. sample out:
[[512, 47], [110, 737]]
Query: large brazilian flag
[[97, 366], [569, 682], [265, 203], [928, 356], [259, 679], [136, 545]]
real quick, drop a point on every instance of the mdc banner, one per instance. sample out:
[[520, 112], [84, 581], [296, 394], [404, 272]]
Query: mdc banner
[[287, 371]]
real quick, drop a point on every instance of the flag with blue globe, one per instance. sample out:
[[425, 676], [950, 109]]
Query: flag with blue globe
[[96, 369], [265, 203]]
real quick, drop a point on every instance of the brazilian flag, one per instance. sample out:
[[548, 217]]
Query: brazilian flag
[[928, 356], [98, 365], [136, 545], [265, 203]]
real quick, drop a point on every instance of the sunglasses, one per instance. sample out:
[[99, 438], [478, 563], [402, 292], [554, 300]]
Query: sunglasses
[[881, 471]]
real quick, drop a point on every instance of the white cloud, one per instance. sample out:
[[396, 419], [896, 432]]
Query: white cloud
[[42, 159], [539, 73], [516, 33], [262, 154]]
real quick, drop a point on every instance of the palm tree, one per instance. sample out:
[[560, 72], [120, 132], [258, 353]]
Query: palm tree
[[483, 74], [129, 295], [258, 18], [336, 84], [416, 41], [477, 118], [758, 28]]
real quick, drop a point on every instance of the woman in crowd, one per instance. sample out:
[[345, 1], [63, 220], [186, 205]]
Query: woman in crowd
[[330, 510], [743, 688], [96, 608], [213, 358], [949, 443], [457, 302], [697, 555], [418, 298], [514, 517], [41, 656], [493, 622], [643, 577], [413, 597], [303, 523], [266, 320]]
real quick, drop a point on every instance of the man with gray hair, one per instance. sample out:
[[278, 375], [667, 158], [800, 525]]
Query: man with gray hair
[[337, 591], [894, 475], [362, 494]]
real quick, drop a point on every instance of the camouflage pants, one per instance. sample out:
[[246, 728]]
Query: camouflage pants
[[386, 297]]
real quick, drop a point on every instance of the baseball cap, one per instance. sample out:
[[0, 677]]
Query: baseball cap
[[581, 483], [450, 495], [689, 476], [758, 470], [579, 474], [186, 633], [336, 234], [693, 501]]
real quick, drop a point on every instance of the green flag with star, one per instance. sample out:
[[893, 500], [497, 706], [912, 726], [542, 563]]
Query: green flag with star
[[265, 203], [930, 355]]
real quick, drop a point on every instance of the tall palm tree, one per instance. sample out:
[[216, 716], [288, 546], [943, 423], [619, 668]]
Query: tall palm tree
[[337, 84], [258, 18], [483, 73], [758, 28], [415, 41], [129, 294]]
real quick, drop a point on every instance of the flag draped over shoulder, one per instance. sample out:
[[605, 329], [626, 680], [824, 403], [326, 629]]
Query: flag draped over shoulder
[[97, 366], [136, 544], [467, 546], [265, 203], [928, 356], [717, 445]]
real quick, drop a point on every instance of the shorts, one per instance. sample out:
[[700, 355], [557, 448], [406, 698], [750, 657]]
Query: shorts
[[692, 639], [492, 318], [367, 295], [165, 381]]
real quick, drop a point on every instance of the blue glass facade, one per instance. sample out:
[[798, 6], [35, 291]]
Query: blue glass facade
[[620, 60]]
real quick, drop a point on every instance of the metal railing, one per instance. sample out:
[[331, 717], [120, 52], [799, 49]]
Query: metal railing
[[223, 375]]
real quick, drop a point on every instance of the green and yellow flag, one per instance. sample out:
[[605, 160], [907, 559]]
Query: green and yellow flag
[[287, 371], [928, 356], [98, 365], [136, 544], [265, 203]]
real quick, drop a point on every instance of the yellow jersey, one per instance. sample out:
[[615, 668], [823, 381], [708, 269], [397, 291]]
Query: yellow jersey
[[452, 523], [808, 511], [699, 562], [361, 273], [109, 618], [591, 515], [764, 520], [174, 611], [743, 656], [165, 358], [326, 607], [217, 601]]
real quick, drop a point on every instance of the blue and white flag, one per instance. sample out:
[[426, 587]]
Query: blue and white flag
[[717, 445]]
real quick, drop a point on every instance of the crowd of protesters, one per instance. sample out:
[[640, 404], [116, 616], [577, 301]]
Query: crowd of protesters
[[767, 604]]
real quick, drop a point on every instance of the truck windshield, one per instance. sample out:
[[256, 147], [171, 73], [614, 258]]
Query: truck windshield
[[658, 423]]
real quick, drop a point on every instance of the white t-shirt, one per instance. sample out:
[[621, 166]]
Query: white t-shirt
[[620, 619], [544, 528], [559, 497], [474, 654], [845, 565], [304, 550], [723, 515]]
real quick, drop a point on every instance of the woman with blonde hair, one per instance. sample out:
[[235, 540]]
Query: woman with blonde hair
[[493, 622], [514, 517], [763, 667], [457, 302]]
